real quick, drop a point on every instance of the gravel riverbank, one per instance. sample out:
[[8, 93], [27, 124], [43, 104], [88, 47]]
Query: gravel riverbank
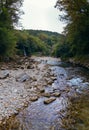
[[55, 94], [22, 82]]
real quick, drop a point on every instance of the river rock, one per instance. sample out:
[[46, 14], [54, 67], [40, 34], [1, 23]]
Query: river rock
[[53, 78], [22, 77], [56, 94], [42, 90], [49, 100], [28, 67], [34, 98], [46, 94], [49, 81], [22, 67], [34, 78], [4, 74]]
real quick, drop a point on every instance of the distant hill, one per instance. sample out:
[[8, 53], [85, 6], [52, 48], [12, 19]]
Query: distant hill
[[38, 41], [49, 33]]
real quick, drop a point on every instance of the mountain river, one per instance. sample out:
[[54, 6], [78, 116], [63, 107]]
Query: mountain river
[[69, 109]]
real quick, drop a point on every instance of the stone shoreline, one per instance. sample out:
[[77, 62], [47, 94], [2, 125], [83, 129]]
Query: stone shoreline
[[80, 62], [22, 83]]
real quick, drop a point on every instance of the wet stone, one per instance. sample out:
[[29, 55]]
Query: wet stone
[[42, 90], [34, 78], [53, 78], [34, 98], [22, 78], [22, 67], [49, 100], [4, 74], [15, 95], [56, 94], [46, 94], [50, 82], [29, 67]]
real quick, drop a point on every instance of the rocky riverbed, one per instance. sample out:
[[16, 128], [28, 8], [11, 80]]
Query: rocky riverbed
[[48, 88], [22, 82]]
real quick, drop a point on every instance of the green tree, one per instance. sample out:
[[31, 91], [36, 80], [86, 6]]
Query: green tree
[[76, 15], [10, 12], [7, 42], [28, 44], [9, 16]]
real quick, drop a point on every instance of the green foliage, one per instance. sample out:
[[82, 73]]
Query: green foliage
[[62, 49], [9, 12], [29, 44], [36, 42], [9, 16], [48, 38], [35, 45], [7, 42], [76, 14]]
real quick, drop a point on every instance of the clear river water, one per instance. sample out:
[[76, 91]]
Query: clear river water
[[70, 111]]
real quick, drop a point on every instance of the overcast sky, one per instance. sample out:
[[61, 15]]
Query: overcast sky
[[41, 15]]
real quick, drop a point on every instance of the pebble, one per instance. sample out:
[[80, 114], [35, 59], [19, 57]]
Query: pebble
[[49, 100], [14, 94], [35, 98], [42, 90], [46, 94], [22, 78], [56, 94], [4, 74]]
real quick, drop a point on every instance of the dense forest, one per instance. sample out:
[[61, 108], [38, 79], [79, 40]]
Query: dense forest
[[76, 15], [73, 42], [9, 16], [37, 42]]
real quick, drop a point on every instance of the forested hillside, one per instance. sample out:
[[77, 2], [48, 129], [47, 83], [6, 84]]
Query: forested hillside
[[74, 42], [22, 42], [37, 42]]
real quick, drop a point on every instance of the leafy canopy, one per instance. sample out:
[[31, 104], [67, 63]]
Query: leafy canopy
[[76, 15], [9, 16]]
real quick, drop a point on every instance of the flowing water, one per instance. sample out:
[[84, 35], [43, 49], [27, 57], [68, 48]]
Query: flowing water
[[70, 111]]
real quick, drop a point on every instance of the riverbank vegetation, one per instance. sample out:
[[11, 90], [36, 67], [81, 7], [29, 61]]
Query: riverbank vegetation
[[37, 42], [22, 42], [76, 16], [73, 43], [9, 16]]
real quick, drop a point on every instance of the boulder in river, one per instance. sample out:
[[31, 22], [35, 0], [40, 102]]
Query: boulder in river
[[49, 100]]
